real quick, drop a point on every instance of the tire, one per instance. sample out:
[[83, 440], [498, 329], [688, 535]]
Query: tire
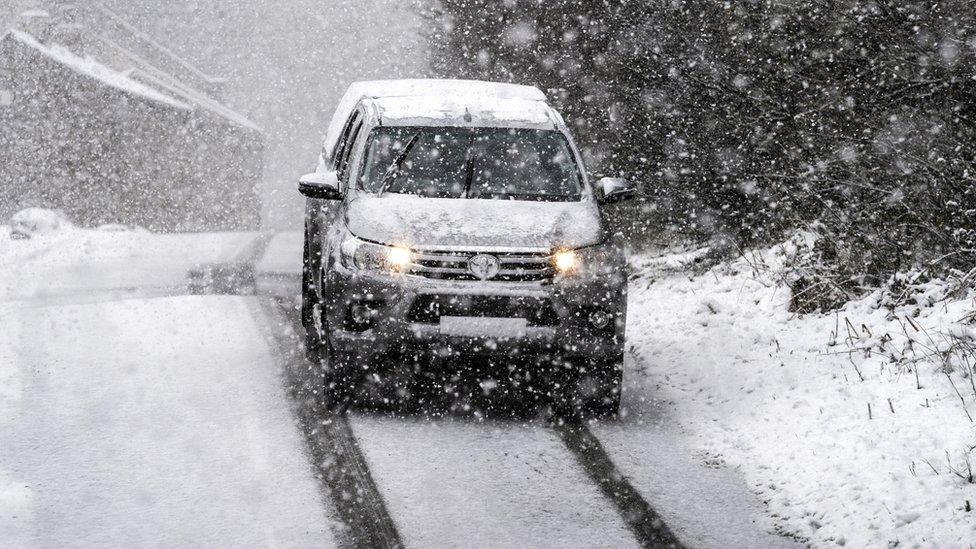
[[606, 402], [313, 342], [595, 389], [334, 383], [343, 378], [608, 406]]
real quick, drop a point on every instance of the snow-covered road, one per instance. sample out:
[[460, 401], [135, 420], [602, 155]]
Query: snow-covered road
[[706, 504], [130, 419], [456, 480], [131, 415], [151, 423], [455, 483]]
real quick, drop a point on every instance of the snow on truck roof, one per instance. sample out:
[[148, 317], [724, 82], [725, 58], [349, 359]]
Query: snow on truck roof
[[446, 102], [436, 88], [463, 110]]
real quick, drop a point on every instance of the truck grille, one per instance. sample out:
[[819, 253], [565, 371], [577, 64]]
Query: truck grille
[[453, 265], [429, 308]]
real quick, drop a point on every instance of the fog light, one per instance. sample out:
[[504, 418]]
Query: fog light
[[600, 319], [361, 313]]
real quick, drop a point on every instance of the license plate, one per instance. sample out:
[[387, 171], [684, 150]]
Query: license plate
[[482, 326]]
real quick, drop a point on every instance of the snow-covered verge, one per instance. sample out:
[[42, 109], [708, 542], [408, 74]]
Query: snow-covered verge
[[826, 415]]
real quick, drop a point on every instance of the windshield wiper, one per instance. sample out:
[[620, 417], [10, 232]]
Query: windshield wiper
[[394, 168], [468, 176]]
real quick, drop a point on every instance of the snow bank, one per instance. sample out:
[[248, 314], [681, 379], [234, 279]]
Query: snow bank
[[62, 263], [283, 255], [279, 271], [149, 423], [31, 222], [782, 398]]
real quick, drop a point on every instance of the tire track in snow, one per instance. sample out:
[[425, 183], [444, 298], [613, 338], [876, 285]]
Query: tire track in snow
[[643, 520], [338, 461], [341, 465]]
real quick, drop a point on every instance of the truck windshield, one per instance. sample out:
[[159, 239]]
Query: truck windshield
[[442, 162]]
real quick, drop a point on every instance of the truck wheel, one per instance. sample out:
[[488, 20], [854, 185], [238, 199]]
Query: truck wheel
[[312, 351], [593, 390], [343, 379], [313, 343], [602, 399]]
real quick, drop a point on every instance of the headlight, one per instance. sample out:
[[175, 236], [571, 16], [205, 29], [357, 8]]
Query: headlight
[[398, 258], [375, 257], [604, 261], [566, 261]]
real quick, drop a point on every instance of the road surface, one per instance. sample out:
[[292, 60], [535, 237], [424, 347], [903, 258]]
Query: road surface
[[169, 404]]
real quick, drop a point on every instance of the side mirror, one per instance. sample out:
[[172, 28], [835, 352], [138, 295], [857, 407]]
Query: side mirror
[[615, 189], [321, 185]]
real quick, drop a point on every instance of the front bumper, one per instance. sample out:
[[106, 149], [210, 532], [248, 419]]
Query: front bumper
[[562, 329]]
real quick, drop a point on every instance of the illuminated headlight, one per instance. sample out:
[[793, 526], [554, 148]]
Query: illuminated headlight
[[605, 262], [398, 258], [375, 257], [566, 261]]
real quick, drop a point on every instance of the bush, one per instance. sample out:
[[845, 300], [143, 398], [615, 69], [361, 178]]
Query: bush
[[749, 119]]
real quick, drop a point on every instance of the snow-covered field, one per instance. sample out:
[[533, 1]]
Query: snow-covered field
[[780, 397]]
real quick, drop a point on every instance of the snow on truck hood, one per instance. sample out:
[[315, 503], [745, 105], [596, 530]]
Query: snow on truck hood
[[433, 222]]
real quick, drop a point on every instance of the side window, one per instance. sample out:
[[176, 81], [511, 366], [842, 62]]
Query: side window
[[342, 145], [346, 162]]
